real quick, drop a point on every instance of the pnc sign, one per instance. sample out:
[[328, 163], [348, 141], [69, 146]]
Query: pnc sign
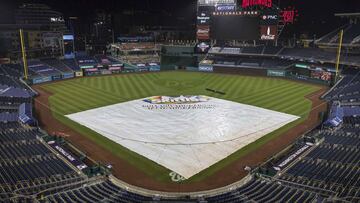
[[269, 17]]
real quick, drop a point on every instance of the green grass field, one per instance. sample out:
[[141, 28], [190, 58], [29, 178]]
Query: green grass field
[[82, 94]]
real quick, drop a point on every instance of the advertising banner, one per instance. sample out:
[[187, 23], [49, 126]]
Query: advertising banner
[[225, 7], [292, 157], [206, 68], [203, 32], [68, 75], [68, 155], [114, 68], [105, 72], [276, 73], [269, 18], [42, 80], [268, 32], [5, 60], [202, 47], [79, 74], [56, 77], [321, 74], [203, 18]]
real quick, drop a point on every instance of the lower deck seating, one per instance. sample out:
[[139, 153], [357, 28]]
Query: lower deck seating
[[334, 165], [347, 90], [26, 164], [264, 191], [100, 192]]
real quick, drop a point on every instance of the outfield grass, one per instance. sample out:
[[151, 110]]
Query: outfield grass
[[82, 94]]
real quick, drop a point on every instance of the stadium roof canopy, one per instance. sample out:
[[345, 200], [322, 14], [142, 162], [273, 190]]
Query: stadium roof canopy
[[348, 15]]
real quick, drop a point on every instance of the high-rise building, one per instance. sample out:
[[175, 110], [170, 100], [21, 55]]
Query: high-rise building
[[40, 14], [43, 32], [38, 42]]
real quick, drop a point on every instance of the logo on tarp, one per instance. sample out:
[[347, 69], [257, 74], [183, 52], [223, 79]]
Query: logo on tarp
[[176, 100], [176, 177]]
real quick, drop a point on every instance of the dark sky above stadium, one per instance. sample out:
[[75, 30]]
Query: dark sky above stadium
[[315, 15]]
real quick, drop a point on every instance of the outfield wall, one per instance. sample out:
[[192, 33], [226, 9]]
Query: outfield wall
[[242, 71]]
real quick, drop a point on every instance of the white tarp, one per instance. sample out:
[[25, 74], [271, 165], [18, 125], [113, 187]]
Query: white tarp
[[185, 135]]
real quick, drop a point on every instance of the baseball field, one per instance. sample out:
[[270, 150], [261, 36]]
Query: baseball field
[[82, 94]]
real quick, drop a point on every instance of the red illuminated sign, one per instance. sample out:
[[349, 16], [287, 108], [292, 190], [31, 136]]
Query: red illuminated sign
[[249, 3], [289, 15]]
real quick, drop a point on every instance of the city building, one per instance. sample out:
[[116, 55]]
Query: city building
[[43, 33]]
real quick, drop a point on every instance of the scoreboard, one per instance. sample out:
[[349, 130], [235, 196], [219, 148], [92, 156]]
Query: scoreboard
[[235, 26], [244, 25], [225, 20]]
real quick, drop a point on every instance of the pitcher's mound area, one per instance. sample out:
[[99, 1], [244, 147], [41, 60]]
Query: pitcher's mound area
[[185, 134]]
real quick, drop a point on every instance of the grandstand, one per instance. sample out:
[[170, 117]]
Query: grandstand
[[265, 190], [85, 61], [323, 52], [101, 191], [42, 69], [50, 69], [71, 63], [250, 62], [141, 55], [328, 169], [23, 153], [351, 30], [287, 53], [12, 70], [58, 65], [347, 89], [332, 166], [322, 163]]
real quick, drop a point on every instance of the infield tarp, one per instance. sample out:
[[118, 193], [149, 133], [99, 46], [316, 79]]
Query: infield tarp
[[185, 138]]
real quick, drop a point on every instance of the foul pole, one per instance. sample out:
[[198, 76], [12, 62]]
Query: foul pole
[[23, 51], [339, 53]]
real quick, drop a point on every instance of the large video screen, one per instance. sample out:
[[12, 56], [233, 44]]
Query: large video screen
[[321, 74], [69, 46], [235, 27]]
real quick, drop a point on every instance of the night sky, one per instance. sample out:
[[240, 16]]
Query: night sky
[[316, 16]]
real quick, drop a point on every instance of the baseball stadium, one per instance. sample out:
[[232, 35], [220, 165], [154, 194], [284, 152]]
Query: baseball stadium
[[240, 112]]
